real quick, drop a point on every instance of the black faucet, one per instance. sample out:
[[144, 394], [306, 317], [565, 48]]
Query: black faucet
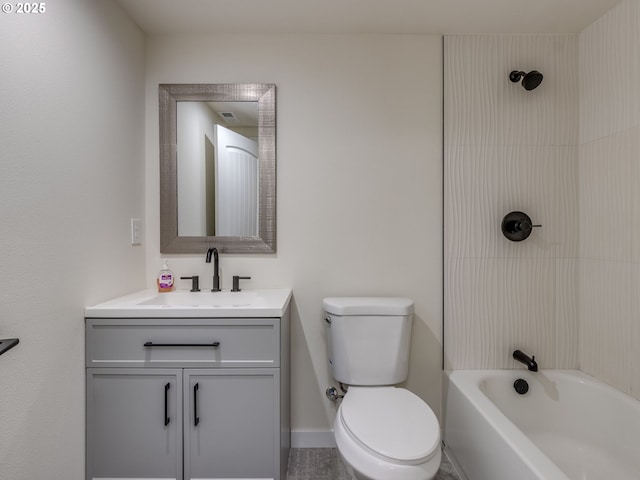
[[216, 276], [529, 361]]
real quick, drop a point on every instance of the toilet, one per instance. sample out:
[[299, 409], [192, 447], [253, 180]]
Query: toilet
[[382, 432]]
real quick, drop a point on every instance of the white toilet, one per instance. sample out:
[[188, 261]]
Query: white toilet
[[382, 432]]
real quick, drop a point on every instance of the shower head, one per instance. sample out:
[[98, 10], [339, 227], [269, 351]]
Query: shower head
[[529, 80]]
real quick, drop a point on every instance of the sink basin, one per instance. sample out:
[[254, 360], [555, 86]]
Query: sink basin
[[207, 299], [186, 304]]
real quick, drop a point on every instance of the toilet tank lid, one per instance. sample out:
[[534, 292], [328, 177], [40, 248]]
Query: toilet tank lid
[[368, 305]]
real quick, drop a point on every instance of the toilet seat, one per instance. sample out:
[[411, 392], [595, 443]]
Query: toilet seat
[[391, 423]]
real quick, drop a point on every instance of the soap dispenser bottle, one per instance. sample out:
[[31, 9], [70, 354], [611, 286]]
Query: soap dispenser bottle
[[165, 279]]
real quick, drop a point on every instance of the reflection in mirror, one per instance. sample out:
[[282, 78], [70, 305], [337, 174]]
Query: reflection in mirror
[[217, 162], [217, 168]]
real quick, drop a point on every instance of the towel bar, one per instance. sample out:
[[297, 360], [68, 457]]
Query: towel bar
[[8, 344]]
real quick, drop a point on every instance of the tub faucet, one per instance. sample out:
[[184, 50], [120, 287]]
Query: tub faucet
[[216, 276], [530, 362]]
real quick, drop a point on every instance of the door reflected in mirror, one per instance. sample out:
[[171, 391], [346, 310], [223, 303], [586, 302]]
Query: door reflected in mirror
[[218, 167]]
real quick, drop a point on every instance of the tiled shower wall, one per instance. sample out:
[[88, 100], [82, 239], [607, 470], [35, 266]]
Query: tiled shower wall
[[609, 193], [570, 294], [510, 149]]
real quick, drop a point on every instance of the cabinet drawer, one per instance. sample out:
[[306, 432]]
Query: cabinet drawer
[[183, 343]]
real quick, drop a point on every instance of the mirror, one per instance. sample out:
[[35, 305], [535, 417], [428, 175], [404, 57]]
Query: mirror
[[217, 168]]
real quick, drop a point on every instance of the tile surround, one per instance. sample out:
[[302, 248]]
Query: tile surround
[[607, 303], [566, 153], [483, 183], [608, 179], [483, 107], [509, 149], [609, 198], [609, 70]]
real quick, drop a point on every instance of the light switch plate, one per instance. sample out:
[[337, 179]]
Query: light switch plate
[[136, 231]]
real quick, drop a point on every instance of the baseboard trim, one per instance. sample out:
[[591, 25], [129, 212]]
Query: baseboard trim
[[312, 439]]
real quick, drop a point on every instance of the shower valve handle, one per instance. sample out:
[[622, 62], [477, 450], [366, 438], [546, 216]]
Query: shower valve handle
[[517, 226], [522, 226]]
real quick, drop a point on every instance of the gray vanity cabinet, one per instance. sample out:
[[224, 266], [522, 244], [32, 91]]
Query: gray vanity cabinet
[[134, 423], [231, 423], [187, 398]]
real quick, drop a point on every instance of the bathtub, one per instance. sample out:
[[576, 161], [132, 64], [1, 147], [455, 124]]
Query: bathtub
[[568, 426]]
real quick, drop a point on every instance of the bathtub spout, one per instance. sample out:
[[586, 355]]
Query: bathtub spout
[[529, 361]]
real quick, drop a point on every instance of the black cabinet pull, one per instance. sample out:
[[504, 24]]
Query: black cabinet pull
[[166, 404], [196, 418], [210, 345]]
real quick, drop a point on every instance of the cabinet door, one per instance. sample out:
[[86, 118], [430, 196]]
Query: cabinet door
[[232, 424], [134, 423]]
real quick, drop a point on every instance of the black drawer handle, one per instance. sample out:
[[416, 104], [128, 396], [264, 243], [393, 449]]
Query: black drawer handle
[[166, 404], [210, 345], [196, 418]]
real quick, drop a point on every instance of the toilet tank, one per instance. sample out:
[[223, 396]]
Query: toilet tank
[[368, 339]]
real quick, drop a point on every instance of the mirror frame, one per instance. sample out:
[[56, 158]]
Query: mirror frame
[[265, 95]]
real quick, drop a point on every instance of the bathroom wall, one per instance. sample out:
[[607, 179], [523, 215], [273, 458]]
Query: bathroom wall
[[359, 144], [569, 293], [71, 177], [609, 186], [359, 192], [510, 149]]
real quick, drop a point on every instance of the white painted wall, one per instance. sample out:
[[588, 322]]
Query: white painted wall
[[359, 183], [195, 121], [71, 177]]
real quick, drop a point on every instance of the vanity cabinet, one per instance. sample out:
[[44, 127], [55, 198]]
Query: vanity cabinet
[[134, 423], [185, 398], [231, 429]]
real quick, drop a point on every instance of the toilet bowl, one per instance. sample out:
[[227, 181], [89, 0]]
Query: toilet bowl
[[382, 432], [387, 433]]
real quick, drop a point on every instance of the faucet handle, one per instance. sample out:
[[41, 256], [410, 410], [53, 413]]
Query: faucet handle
[[195, 282], [236, 282]]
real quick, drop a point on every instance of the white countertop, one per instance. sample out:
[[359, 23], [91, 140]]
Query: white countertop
[[186, 304]]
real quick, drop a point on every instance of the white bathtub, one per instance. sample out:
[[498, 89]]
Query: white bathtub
[[568, 426]]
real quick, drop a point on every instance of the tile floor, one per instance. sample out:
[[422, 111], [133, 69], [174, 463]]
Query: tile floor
[[325, 464]]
